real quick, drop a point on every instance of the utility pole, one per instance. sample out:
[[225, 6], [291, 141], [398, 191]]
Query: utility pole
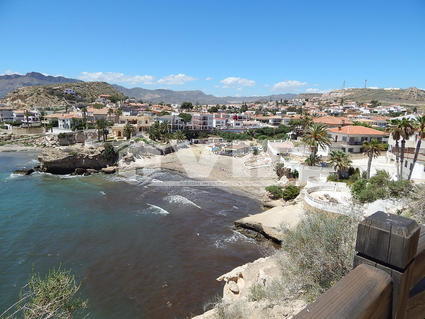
[[365, 84], [343, 85]]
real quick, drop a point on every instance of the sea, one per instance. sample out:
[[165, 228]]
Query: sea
[[139, 249]]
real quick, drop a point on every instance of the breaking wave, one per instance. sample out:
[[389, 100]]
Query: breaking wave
[[157, 210], [178, 199]]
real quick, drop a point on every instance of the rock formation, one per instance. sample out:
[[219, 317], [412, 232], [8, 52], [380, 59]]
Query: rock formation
[[76, 159]]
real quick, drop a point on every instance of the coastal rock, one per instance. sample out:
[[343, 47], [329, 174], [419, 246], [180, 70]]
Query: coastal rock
[[128, 158], [67, 160], [109, 170], [270, 223], [24, 171], [80, 171]]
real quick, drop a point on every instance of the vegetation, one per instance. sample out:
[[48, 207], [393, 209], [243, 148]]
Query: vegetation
[[419, 124], [129, 130], [279, 169], [186, 106], [287, 192], [379, 186], [186, 117], [372, 149], [52, 296], [159, 132], [341, 162], [102, 129], [316, 136]]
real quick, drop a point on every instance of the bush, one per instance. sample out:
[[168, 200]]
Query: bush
[[379, 186], [275, 192], [290, 192], [53, 296], [318, 252]]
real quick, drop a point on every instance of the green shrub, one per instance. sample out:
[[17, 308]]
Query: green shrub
[[317, 253], [275, 192], [290, 192]]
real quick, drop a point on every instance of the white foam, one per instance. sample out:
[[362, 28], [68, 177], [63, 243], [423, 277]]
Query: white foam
[[235, 237], [157, 210], [178, 199], [102, 193]]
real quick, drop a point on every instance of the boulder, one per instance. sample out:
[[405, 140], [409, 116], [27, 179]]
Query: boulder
[[80, 171], [109, 170], [24, 171]]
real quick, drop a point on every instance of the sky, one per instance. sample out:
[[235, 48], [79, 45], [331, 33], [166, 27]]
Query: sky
[[222, 47]]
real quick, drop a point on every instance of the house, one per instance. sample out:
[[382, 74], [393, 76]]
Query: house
[[6, 114], [350, 138], [69, 91], [219, 122], [95, 114], [333, 121], [66, 121], [235, 149], [202, 121], [25, 116]]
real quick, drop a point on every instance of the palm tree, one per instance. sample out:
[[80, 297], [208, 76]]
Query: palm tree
[[102, 129], [407, 130], [118, 113], [340, 161], [315, 136], [420, 125], [128, 131], [372, 149], [395, 131], [84, 111], [110, 112], [179, 136]]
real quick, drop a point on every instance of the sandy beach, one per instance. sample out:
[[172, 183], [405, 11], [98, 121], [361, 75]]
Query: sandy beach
[[248, 174]]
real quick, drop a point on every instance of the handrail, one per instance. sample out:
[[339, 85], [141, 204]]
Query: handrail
[[388, 279]]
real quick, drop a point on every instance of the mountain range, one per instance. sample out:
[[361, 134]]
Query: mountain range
[[16, 89], [9, 83]]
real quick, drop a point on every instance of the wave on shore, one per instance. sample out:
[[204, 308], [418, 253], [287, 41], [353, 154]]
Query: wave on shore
[[178, 199]]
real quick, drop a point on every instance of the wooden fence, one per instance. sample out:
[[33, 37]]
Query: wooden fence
[[388, 277]]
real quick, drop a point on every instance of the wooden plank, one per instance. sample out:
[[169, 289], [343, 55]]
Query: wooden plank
[[365, 292], [416, 306], [419, 268], [389, 239]]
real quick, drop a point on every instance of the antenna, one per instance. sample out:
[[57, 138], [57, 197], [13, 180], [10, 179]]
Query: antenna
[[365, 84], [343, 85]]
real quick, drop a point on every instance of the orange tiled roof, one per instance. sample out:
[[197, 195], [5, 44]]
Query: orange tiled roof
[[332, 120], [356, 130]]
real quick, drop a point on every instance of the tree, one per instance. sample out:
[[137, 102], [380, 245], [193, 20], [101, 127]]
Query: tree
[[406, 130], [118, 113], [315, 136], [420, 126], [110, 112], [213, 109], [84, 112], [186, 106], [27, 114], [186, 117], [372, 149], [102, 129], [340, 161], [179, 136], [375, 103], [280, 169], [129, 130], [52, 296], [395, 132]]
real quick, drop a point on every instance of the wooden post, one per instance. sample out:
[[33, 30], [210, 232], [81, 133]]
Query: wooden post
[[389, 242]]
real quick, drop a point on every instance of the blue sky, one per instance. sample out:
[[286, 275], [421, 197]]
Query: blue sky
[[228, 47]]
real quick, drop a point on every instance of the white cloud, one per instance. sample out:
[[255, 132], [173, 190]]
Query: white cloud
[[288, 86], [176, 79], [236, 82], [116, 77], [10, 72], [315, 90], [208, 78]]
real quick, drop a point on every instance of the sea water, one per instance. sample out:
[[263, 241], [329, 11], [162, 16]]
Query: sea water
[[139, 249]]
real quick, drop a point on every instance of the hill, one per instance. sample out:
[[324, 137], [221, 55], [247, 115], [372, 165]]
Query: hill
[[53, 95], [194, 96], [410, 96], [11, 82]]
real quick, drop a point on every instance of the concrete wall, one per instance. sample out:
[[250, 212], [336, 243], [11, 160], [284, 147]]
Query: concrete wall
[[27, 130]]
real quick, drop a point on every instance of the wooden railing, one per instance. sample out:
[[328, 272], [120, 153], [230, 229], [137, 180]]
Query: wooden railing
[[388, 277]]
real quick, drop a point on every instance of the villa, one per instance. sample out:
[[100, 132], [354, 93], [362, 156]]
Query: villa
[[350, 138]]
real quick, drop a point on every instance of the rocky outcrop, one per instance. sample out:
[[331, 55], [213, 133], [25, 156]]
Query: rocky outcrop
[[269, 224], [24, 171], [237, 301], [68, 160]]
